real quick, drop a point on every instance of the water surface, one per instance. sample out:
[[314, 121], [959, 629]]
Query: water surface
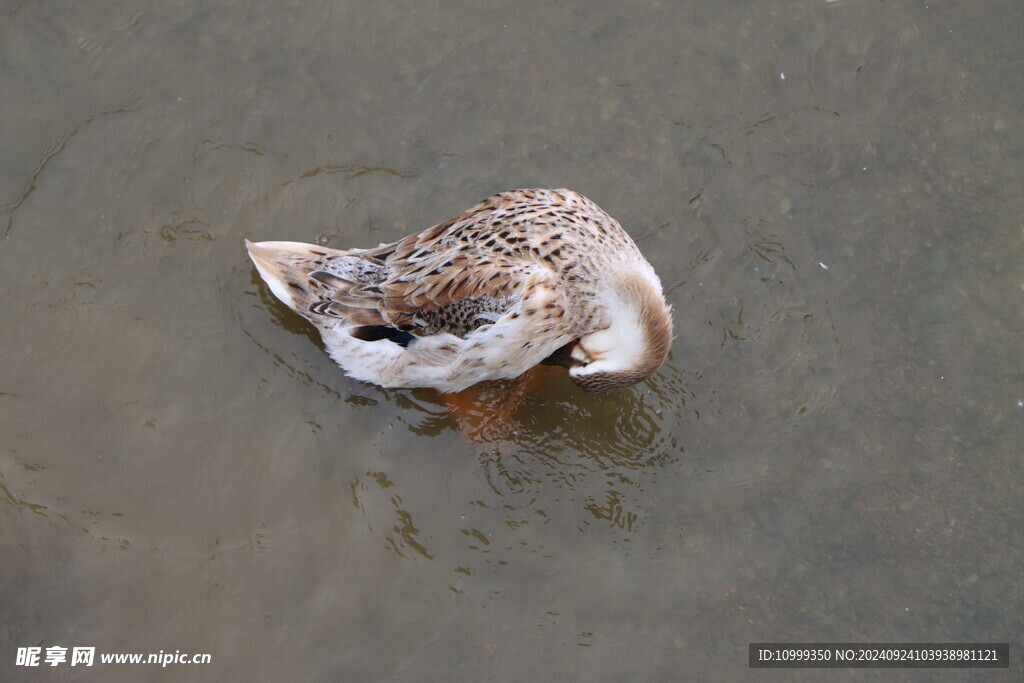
[[830, 192]]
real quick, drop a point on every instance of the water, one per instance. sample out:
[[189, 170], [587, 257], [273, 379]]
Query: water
[[829, 191]]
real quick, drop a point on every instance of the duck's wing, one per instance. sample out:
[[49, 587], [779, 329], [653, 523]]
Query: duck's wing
[[452, 278]]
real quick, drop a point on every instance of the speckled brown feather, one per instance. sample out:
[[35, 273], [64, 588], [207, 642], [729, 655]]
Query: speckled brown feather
[[479, 260], [535, 258]]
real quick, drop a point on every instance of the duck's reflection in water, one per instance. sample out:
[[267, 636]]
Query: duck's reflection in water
[[539, 439]]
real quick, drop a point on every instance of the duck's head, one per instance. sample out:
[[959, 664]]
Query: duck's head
[[636, 342]]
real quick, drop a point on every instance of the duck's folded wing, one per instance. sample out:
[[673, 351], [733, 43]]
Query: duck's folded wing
[[451, 278], [435, 292]]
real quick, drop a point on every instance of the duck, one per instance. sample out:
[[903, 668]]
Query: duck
[[523, 278]]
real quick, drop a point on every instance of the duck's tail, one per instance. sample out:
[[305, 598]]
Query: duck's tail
[[322, 285], [286, 266]]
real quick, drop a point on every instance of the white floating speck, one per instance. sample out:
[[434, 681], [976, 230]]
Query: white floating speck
[[1020, 404], [822, 265], [782, 75]]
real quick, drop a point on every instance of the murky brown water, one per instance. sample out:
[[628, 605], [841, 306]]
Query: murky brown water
[[830, 192]]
